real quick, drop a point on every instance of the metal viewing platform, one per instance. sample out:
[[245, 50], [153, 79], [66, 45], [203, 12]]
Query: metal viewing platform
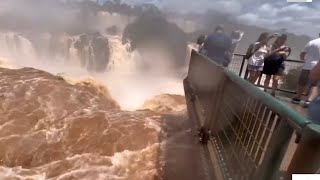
[[249, 134]]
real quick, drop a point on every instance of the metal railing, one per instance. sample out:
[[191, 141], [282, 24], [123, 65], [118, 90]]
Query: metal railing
[[247, 131], [289, 80]]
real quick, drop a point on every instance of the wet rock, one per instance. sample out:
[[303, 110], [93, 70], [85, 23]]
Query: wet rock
[[151, 32], [94, 51]]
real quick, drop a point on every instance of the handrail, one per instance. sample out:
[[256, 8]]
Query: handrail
[[298, 120], [248, 131], [289, 60], [241, 70]]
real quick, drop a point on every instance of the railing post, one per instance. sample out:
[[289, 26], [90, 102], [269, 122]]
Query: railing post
[[275, 152], [217, 99], [306, 159], [250, 145], [242, 64]]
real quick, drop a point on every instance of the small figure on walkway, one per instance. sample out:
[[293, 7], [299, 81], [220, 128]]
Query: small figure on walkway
[[256, 54], [311, 56], [217, 47], [274, 63], [236, 37], [200, 41]]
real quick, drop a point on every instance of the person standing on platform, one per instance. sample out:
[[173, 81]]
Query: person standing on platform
[[274, 63], [218, 46], [200, 41], [256, 54], [311, 56]]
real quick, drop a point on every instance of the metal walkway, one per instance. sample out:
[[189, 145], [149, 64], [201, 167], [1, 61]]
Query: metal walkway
[[185, 158]]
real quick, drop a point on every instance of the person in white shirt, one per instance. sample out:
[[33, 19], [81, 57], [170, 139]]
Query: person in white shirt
[[256, 54], [311, 56], [200, 41]]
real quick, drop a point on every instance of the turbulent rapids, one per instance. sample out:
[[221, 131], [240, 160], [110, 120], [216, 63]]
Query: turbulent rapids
[[94, 95], [51, 129], [64, 122]]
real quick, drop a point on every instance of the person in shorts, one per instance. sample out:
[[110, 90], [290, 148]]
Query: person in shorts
[[314, 107], [256, 54], [274, 63], [311, 56]]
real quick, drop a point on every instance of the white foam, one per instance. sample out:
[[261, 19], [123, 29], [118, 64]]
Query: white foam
[[128, 86], [153, 123], [14, 173], [127, 83]]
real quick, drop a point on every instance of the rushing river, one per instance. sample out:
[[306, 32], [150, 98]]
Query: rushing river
[[60, 122]]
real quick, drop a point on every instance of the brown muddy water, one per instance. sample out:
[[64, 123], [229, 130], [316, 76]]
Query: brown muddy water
[[50, 129]]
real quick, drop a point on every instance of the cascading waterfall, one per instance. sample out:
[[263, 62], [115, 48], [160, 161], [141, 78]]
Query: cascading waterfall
[[87, 106], [16, 49], [50, 129]]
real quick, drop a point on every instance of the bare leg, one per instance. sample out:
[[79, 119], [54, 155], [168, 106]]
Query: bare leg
[[300, 90], [267, 82], [258, 74], [254, 75], [313, 93], [302, 83], [251, 76], [275, 82]]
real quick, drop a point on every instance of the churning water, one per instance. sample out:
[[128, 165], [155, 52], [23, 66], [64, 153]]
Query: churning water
[[60, 121]]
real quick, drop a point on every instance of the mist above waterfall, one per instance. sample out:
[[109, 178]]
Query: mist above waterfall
[[80, 40], [37, 16], [76, 102]]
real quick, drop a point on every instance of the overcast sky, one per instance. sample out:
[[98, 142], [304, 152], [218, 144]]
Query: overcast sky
[[299, 18]]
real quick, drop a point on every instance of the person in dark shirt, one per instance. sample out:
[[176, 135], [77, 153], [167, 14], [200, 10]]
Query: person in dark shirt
[[218, 46], [274, 63]]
